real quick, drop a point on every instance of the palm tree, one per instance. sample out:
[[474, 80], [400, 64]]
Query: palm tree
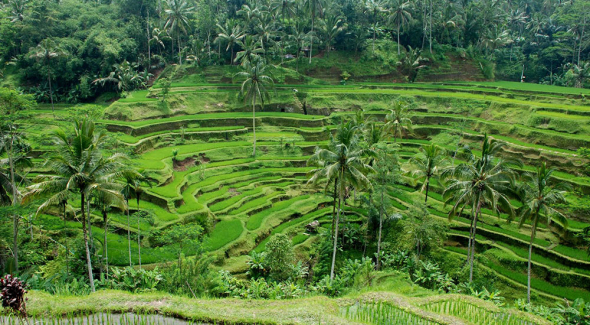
[[230, 37], [178, 19], [480, 181], [580, 74], [255, 86], [400, 16], [313, 8], [79, 166], [331, 28], [45, 52], [132, 181], [397, 120], [374, 8], [428, 163], [343, 161], [286, 7], [250, 50], [539, 197], [104, 200]]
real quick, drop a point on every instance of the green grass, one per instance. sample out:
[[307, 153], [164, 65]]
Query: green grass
[[255, 221]]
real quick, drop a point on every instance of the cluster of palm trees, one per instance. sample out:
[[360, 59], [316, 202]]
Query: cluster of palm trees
[[354, 160], [80, 167]]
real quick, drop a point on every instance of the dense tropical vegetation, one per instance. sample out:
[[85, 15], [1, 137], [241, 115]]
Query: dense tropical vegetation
[[309, 150]]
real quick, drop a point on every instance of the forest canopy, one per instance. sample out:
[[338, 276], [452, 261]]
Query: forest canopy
[[86, 48]]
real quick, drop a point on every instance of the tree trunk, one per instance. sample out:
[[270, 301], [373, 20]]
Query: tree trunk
[[147, 28], [179, 56], [85, 232], [533, 233], [398, 45], [138, 231], [334, 206], [106, 250], [374, 35], [311, 40], [67, 249], [430, 33], [581, 39], [341, 194], [89, 224], [427, 188], [14, 200], [473, 244], [254, 125], [128, 231], [380, 229], [50, 92]]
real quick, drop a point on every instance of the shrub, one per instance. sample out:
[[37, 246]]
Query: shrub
[[130, 279], [280, 257], [12, 294]]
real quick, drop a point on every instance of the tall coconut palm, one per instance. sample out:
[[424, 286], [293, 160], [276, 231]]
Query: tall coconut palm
[[314, 9], [46, 52], [250, 50], [132, 181], [79, 166], [231, 37], [104, 200], [331, 28], [375, 8], [343, 160], [397, 120], [540, 195], [179, 12], [428, 163], [255, 87], [400, 16], [480, 181]]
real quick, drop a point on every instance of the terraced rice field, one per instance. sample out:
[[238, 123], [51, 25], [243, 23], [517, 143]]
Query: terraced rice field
[[242, 200]]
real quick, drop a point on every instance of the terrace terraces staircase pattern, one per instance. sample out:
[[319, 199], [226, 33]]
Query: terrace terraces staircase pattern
[[242, 200]]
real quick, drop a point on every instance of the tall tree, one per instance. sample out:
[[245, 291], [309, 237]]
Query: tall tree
[[231, 37], [132, 182], [540, 196], [400, 16], [374, 8], [46, 52], [314, 8], [79, 166], [343, 160], [179, 12], [397, 120], [104, 200], [255, 87], [484, 180], [12, 104], [428, 163]]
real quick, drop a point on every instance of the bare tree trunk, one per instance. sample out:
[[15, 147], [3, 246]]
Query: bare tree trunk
[[14, 199], [147, 28], [50, 92], [334, 206], [427, 188], [85, 232], [430, 33], [533, 233], [138, 231], [380, 229], [473, 245], [67, 249], [398, 45], [581, 39], [179, 56], [106, 250], [128, 232], [311, 41], [254, 126], [336, 230]]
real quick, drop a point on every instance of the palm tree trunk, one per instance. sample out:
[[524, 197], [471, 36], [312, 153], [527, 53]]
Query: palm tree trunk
[[374, 33], [311, 40], [179, 56], [427, 188], [334, 206], [398, 46], [430, 27], [380, 229], [473, 244], [14, 201], [147, 28], [533, 233], [106, 250], [254, 125], [470, 235], [128, 231], [341, 194], [138, 232], [89, 224], [85, 232], [50, 92], [67, 249], [581, 38]]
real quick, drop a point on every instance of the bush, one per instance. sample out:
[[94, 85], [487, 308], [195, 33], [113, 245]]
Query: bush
[[130, 279], [280, 257], [12, 295]]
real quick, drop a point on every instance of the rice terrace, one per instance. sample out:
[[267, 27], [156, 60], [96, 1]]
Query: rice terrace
[[294, 162]]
